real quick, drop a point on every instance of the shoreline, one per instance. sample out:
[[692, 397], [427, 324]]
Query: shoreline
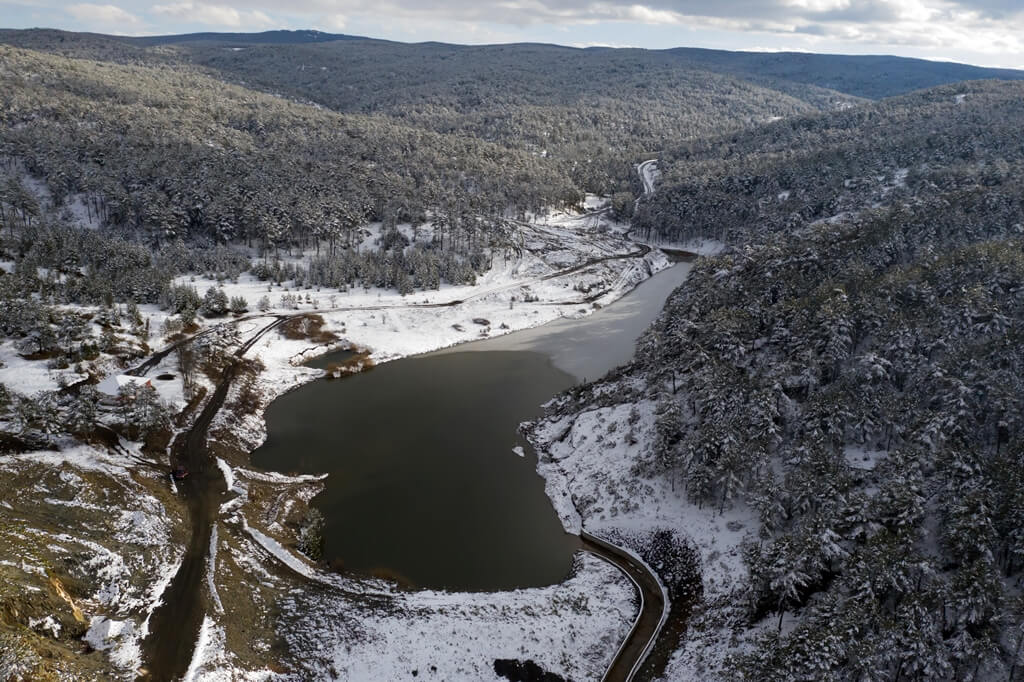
[[281, 375]]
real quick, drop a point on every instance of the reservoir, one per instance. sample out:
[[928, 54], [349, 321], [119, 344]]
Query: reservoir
[[429, 479]]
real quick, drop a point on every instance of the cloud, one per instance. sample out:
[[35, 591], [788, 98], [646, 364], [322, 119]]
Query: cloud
[[992, 30], [333, 22], [214, 15], [107, 17]]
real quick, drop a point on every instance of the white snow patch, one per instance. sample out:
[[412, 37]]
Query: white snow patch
[[276, 549], [211, 571], [225, 470], [859, 458], [47, 623]]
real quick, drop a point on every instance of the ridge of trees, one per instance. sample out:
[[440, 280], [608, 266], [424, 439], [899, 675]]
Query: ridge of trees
[[856, 381]]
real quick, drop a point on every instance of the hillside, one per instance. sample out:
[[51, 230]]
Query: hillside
[[593, 111], [778, 176], [829, 414], [869, 76], [817, 446]]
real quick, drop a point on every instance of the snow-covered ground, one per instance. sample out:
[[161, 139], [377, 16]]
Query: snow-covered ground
[[89, 532], [590, 461]]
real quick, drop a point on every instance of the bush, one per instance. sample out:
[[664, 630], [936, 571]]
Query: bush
[[311, 535], [215, 303], [239, 305]]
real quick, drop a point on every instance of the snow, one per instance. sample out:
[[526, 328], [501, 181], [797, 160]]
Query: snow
[[274, 477], [84, 457], [649, 173], [519, 450], [859, 458], [700, 246], [588, 467], [280, 553], [29, 377], [102, 630], [200, 651], [47, 623], [113, 383], [571, 629], [211, 571], [225, 470]]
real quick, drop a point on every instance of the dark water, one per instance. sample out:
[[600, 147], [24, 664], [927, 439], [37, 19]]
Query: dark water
[[423, 478]]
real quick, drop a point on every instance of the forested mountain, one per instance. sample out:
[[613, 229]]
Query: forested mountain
[[166, 153], [870, 76], [785, 174], [594, 111], [850, 373]]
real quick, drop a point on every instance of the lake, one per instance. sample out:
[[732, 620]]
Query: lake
[[429, 478]]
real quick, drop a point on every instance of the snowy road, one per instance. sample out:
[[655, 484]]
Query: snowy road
[[654, 605], [648, 171], [654, 599]]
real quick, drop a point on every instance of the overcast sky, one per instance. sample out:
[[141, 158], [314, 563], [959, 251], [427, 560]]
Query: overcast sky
[[986, 32]]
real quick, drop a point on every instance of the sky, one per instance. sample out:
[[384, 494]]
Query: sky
[[984, 32]]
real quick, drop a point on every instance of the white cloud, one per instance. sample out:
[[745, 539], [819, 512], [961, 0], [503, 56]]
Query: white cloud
[[333, 22], [214, 15], [990, 31], [107, 17]]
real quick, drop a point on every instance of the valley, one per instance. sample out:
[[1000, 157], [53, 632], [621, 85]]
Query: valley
[[325, 357]]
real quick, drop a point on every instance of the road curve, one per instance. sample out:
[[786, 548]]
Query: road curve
[[646, 170], [654, 600], [654, 607]]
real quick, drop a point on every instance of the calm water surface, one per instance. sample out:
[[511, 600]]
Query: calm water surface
[[424, 481]]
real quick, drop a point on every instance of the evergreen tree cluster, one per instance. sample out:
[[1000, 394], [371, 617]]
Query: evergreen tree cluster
[[859, 382], [783, 175]]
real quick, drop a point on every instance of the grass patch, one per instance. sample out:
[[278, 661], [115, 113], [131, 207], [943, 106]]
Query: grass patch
[[357, 363], [307, 327]]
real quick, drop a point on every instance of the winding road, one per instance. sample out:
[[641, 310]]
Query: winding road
[[654, 598], [654, 607]]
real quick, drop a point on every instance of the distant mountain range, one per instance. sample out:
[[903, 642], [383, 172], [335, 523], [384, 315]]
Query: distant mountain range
[[866, 76], [264, 38]]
